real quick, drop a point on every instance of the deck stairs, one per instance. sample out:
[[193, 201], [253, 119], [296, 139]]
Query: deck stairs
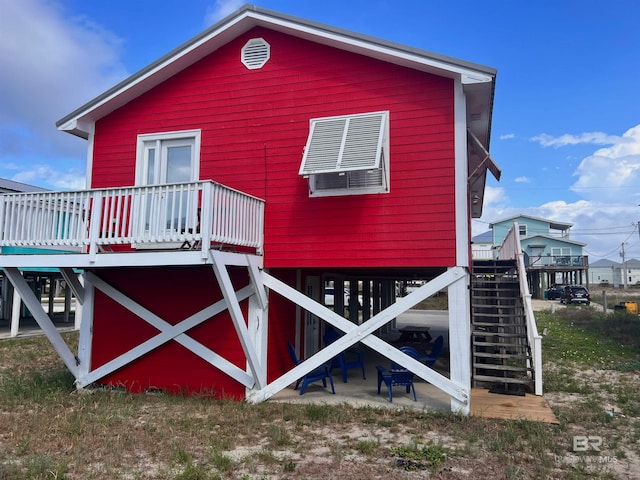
[[501, 354]]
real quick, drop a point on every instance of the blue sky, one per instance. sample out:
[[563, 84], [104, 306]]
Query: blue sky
[[566, 122]]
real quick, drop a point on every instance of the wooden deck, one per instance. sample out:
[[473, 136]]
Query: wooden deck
[[511, 407]]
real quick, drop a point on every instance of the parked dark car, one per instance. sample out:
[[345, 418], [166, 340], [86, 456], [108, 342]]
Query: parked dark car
[[575, 294], [555, 292]]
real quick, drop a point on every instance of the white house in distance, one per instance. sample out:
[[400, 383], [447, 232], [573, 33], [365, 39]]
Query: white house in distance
[[608, 272]]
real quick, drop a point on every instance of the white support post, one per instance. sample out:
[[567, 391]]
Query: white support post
[[259, 328], [257, 323], [47, 326], [460, 340], [84, 321], [222, 275], [16, 306]]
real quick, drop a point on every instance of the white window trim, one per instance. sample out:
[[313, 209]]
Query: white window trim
[[141, 170], [141, 173], [523, 230], [335, 166]]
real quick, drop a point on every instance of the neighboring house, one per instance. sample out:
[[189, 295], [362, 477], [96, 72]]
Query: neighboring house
[[11, 186], [607, 271], [482, 247], [37, 278], [604, 272], [235, 177], [550, 255], [631, 271], [627, 274]]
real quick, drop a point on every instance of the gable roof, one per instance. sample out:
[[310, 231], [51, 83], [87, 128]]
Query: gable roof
[[12, 186], [478, 81], [485, 237], [552, 223], [529, 240], [604, 263]]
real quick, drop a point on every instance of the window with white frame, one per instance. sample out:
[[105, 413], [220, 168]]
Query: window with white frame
[[522, 229], [168, 158], [347, 155], [171, 157]]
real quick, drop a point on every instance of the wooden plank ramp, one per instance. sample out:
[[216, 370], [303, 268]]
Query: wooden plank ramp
[[511, 407]]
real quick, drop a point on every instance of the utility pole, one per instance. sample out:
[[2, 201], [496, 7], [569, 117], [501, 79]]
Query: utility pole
[[624, 267]]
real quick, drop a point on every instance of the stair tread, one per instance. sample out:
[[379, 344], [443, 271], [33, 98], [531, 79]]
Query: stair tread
[[490, 378], [501, 355], [498, 344], [509, 368], [498, 324], [499, 334]]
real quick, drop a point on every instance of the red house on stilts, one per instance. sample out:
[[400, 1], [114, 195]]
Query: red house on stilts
[[235, 179]]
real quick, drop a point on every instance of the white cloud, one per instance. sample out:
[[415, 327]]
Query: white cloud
[[607, 212], [522, 180], [68, 179], [221, 9], [51, 64], [612, 174], [594, 138], [507, 136]]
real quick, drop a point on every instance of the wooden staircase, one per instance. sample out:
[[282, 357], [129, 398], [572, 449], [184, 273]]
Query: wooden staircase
[[501, 353]]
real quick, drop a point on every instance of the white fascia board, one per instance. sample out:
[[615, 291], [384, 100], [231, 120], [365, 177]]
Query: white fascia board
[[372, 48]]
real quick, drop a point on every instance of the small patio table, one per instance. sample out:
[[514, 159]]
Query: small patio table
[[415, 334]]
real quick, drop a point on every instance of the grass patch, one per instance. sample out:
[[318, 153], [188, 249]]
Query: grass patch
[[587, 338], [48, 431], [415, 457]]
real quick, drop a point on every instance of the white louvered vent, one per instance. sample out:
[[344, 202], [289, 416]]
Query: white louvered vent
[[255, 53]]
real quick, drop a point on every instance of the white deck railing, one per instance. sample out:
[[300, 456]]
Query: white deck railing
[[511, 249], [158, 215]]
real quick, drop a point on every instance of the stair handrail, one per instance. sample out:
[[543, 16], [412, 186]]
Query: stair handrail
[[511, 249]]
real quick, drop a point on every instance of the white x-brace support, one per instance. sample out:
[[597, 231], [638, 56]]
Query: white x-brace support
[[254, 379], [79, 365], [457, 388]]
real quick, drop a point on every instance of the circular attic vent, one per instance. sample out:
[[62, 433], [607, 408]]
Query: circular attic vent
[[255, 53]]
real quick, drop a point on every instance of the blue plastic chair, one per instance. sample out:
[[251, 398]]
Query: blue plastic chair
[[436, 351], [319, 374], [398, 376], [345, 360]]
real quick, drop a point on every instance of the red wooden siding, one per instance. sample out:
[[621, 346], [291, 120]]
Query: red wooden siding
[[173, 294], [254, 126]]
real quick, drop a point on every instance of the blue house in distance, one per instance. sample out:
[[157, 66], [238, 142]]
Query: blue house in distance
[[551, 257]]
